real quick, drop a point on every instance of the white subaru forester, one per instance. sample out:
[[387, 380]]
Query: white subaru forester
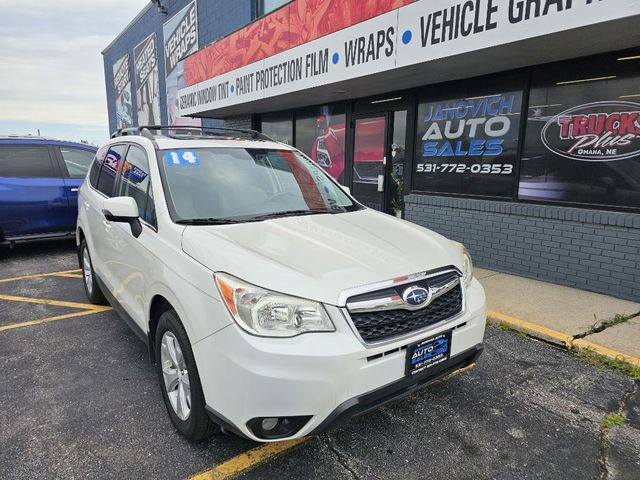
[[273, 304]]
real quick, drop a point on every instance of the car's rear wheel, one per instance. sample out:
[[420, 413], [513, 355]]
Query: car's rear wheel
[[179, 379], [91, 287]]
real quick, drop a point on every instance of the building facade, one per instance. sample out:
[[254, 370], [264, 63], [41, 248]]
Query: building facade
[[512, 126]]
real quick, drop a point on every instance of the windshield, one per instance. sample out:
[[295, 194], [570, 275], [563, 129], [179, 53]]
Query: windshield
[[228, 185]]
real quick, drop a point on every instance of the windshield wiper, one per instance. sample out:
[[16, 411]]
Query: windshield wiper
[[208, 221], [290, 213]]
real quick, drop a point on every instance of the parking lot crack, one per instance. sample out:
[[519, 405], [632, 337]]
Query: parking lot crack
[[612, 420], [603, 324], [341, 457]]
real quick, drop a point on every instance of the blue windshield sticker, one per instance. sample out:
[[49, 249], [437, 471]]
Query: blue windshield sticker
[[181, 158]]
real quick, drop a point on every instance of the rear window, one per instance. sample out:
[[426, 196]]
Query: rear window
[[26, 161]]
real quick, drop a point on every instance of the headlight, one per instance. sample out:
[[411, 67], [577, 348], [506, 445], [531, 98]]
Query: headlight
[[271, 314], [467, 265]]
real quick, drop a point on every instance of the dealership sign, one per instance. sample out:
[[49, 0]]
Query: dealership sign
[[595, 132], [469, 127], [415, 33]]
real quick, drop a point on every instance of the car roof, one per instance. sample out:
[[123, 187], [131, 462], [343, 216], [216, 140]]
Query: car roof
[[34, 140]]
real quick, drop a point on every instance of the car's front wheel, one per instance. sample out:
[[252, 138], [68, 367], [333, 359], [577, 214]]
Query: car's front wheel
[[91, 287], [179, 379]]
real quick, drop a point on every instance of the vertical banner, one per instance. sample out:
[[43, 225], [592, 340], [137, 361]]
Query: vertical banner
[[147, 84], [180, 40], [122, 81]]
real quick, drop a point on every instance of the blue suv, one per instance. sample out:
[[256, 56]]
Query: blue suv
[[39, 180]]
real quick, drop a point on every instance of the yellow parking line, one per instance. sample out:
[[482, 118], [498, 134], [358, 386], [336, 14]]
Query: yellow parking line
[[247, 460], [68, 275], [38, 275], [56, 303], [52, 319]]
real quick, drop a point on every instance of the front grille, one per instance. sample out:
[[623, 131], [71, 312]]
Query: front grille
[[384, 324]]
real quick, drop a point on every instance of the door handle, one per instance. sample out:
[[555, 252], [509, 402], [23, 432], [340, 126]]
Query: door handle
[[86, 205], [381, 183], [107, 225], [74, 189]]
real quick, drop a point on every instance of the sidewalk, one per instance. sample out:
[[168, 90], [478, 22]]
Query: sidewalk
[[576, 318]]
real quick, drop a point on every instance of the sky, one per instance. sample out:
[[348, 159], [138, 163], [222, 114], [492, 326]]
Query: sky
[[51, 70]]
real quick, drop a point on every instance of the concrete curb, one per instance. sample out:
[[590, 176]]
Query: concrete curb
[[553, 336], [581, 344]]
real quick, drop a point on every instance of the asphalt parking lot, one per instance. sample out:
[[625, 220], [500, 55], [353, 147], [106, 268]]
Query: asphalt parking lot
[[80, 399]]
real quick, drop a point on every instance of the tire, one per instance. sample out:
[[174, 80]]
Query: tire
[[91, 287], [193, 422]]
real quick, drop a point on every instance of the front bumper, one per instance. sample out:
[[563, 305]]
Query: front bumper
[[329, 377], [395, 391]]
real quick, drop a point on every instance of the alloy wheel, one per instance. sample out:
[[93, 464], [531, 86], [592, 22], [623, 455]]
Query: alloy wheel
[[176, 375], [86, 271]]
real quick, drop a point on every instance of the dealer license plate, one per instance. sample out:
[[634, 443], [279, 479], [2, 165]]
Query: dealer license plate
[[427, 353]]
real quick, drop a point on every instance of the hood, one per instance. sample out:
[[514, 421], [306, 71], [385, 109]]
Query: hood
[[318, 256]]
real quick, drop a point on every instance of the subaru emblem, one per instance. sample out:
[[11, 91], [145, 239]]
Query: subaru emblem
[[416, 296]]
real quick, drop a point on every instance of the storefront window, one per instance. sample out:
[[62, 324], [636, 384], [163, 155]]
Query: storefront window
[[320, 133], [582, 141], [278, 126], [467, 139]]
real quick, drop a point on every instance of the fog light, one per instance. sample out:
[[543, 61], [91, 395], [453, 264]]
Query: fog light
[[269, 423], [271, 428]]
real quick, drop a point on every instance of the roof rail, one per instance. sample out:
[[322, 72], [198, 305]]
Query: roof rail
[[142, 131], [146, 131]]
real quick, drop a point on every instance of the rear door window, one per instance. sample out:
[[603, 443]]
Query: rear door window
[[77, 161], [109, 169], [26, 161]]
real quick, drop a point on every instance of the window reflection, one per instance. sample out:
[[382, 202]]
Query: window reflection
[[320, 134]]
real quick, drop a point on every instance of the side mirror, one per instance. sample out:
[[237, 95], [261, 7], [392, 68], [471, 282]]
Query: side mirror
[[346, 189], [123, 210]]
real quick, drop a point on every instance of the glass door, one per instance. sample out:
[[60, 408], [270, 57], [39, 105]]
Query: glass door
[[370, 160], [379, 146]]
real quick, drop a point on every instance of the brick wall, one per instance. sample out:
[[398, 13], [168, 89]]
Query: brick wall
[[587, 249]]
